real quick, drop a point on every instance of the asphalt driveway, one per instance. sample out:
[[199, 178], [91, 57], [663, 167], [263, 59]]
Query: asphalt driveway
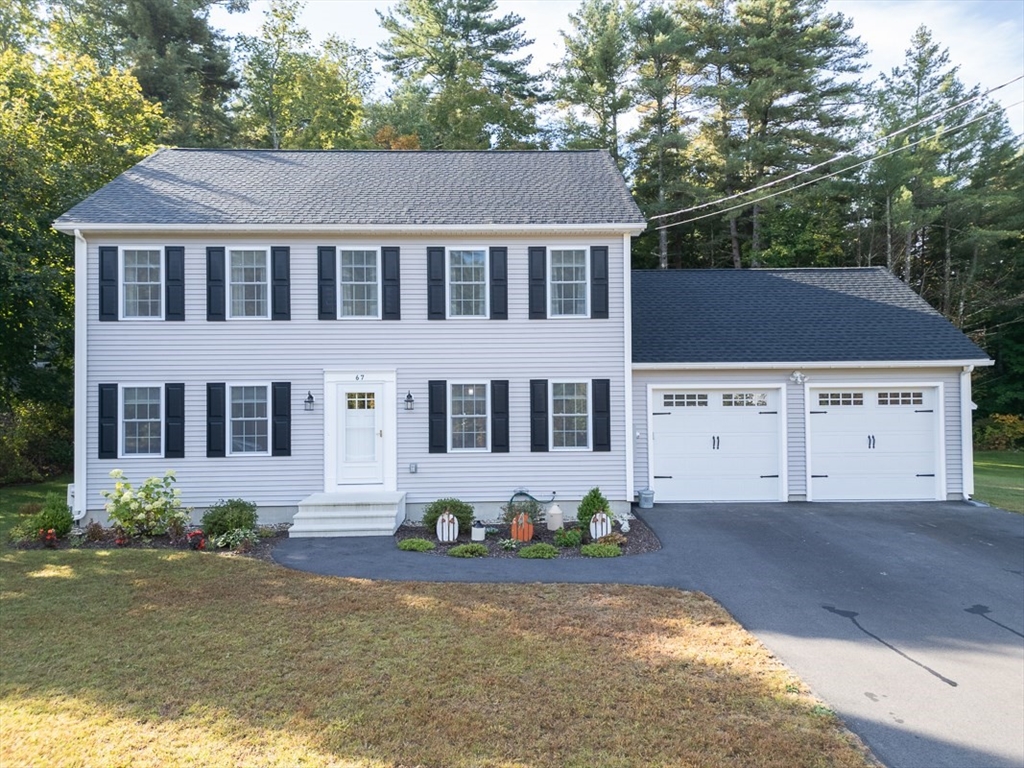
[[908, 619]]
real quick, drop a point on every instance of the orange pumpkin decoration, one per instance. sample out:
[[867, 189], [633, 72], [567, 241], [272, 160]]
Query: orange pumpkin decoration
[[522, 528]]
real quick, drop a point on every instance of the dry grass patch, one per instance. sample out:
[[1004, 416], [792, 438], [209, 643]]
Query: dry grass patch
[[148, 658]]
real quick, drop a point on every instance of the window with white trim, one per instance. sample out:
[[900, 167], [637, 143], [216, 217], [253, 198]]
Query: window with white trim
[[248, 283], [468, 417], [686, 400], [743, 399], [568, 282], [467, 282], [840, 398], [249, 423], [360, 283], [142, 421], [142, 283], [570, 414], [901, 398]]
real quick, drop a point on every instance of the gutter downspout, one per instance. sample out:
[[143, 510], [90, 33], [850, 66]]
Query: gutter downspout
[[966, 432], [79, 491]]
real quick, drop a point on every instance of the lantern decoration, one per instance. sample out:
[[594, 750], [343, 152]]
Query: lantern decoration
[[447, 528], [555, 518], [522, 528], [600, 525], [479, 533]]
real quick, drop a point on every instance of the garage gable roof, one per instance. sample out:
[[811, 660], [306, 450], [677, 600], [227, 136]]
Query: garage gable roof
[[787, 315], [319, 188]]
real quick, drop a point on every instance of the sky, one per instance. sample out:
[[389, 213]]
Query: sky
[[984, 37]]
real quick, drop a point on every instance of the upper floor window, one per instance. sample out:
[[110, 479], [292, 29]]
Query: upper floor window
[[360, 284], [568, 283], [467, 282], [250, 419], [468, 417], [570, 414], [248, 287], [142, 283], [141, 421]]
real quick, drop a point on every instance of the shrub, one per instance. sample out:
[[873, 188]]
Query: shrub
[[999, 432], [468, 550], [509, 545], [539, 552], [463, 513], [531, 507], [146, 511], [230, 515], [415, 545], [23, 532], [237, 539], [590, 505], [36, 440], [568, 537], [55, 515], [600, 550], [95, 532], [615, 538]]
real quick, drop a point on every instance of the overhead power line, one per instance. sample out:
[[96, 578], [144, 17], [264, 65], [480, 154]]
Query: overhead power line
[[869, 143], [829, 175]]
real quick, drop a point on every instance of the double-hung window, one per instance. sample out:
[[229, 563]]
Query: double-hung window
[[360, 283], [467, 282], [248, 283], [570, 415], [249, 420], [568, 282], [469, 417], [142, 421], [142, 283]]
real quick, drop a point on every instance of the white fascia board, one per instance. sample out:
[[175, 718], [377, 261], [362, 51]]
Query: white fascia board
[[631, 228], [80, 371], [853, 364], [627, 274]]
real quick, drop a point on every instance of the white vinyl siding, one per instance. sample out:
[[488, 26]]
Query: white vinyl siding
[[248, 419], [360, 283], [568, 282], [570, 415], [248, 289], [468, 417], [142, 285], [467, 282], [141, 420]]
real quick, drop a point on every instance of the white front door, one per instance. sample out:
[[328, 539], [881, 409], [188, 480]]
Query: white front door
[[360, 434]]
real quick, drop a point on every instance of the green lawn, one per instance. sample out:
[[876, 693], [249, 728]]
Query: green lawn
[[13, 496], [999, 479]]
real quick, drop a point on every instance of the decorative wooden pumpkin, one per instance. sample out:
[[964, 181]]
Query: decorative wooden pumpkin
[[522, 528], [447, 528], [600, 525]]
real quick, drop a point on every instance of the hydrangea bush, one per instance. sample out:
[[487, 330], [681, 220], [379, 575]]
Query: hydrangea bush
[[148, 510]]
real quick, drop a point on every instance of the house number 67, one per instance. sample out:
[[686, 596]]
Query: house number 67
[[359, 376]]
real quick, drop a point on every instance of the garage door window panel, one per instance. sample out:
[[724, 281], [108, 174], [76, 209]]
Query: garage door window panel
[[901, 398], [744, 399], [686, 400]]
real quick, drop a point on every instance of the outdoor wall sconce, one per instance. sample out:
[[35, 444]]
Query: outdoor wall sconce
[[797, 378], [410, 403], [309, 401]]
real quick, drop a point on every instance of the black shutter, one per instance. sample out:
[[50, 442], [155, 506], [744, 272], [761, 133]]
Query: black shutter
[[391, 284], [538, 283], [280, 283], [108, 283], [108, 421], [174, 282], [327, 282], [174, 421], [538, 415], [438, 416], [499, 417], [215, 286], [499, 283], [281, 416], [599, 282], [435, 284], [216, 422], [601, 408]]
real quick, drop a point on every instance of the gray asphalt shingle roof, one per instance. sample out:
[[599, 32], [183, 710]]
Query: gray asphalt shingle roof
[[229, 187], [787, 315]]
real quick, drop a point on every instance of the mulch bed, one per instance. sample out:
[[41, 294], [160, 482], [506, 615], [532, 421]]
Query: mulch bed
[[640, 539]]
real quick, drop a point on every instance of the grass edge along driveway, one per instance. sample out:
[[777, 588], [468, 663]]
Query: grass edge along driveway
[[999, 479]]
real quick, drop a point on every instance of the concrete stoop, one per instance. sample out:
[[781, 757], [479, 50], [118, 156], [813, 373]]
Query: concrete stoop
[[349, 513]]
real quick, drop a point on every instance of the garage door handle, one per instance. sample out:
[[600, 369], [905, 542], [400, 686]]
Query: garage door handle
[[662, 413], [819, 411], [931, 475], [764, 476], [926, 410], [663, 477], [763, 412], [819, 476]]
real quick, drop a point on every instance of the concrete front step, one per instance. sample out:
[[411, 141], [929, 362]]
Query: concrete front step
[[349, 513]]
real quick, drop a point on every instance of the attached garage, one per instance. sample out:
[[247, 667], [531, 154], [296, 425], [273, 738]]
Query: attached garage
[[867, 442], [712, 444]]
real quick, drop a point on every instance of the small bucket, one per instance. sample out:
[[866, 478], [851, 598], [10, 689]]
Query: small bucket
[[646, 498]]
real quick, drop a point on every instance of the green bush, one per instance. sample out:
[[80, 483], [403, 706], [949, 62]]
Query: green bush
[[531, 507], [469, 550], [55, 514], [539, 552], [226, 516], [147, 510], [415, 545], [999, 432], [24, 531], [615, 538], [237, 540], [463, 513], [590, 505], [600, 550], [568, 537]]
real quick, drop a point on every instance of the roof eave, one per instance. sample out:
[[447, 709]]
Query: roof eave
[[632, 228]]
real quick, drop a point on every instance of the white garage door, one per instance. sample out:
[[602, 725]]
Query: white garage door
[[874, 443], [716, 445]]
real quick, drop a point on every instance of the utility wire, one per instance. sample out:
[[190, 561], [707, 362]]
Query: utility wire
[[776, 182], [830, 175]]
